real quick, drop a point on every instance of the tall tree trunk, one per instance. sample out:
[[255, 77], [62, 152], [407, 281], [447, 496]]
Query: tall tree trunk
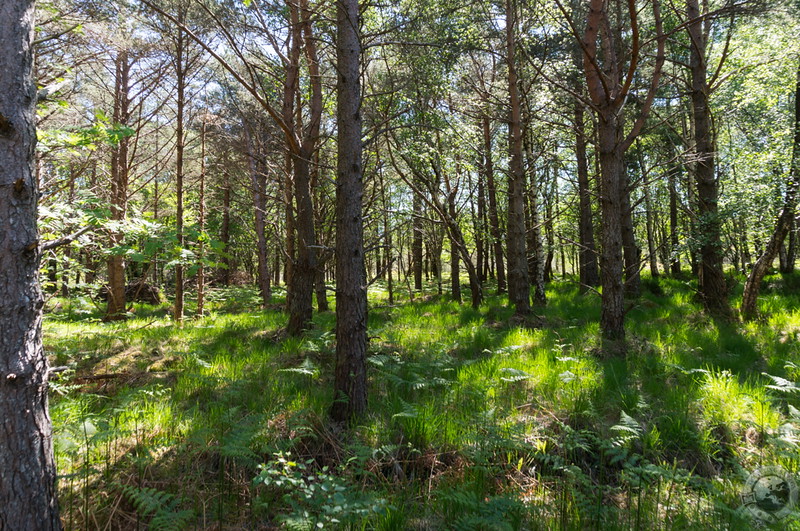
[[518, 282], [535, 247], [27, 466], [611, 262], [115, 309], [350, 386], [258, 180], [201, 222], [180, 145], [713, 289], [305, 267], [783, 225]]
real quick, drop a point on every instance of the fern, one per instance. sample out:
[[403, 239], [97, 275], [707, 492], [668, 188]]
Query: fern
[[162, 506], [627, 430]]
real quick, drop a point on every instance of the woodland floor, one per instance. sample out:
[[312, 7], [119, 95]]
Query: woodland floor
[[476, 421]]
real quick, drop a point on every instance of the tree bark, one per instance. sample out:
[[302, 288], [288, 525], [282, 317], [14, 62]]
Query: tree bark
[[631, 251], [180, 145], [588, 273], [782, 226], [304, 271], [350, 386], [225, 229], [305, 266], [518, 281], [535, 247], [416, 244], [651, 237], [494, 218], [201, 221], [258, 180], [674, 242], [115, 310], [27, 466], [711, 281]]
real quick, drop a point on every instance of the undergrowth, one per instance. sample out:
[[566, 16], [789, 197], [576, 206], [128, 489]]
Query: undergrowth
[[474, 422]]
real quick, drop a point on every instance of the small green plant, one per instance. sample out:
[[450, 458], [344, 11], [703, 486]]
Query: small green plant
[[317, 500], [162, 508]]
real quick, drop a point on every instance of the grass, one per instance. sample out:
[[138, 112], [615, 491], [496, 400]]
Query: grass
[[474, 423]]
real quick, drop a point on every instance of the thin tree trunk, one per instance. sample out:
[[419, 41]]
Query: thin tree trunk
[[455, 281], [631, 252], [651, 237], [480, 228], [674, 242], [350, 386], [27, 465], [416, 244], [180, 144], [494, 218], [258, 180], [589, 275], [225, 230], [535, 247], [201, 221]]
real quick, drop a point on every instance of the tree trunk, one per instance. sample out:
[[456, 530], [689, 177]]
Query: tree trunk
[[791, 248], [258, 180], [651, 237], [783, 225], [518, 283], [589, 275], [416, 244], [611, 262], [455, 281], [535, 247], [350, 387], [480, 228], [115, 310], [631, 252], [225, 229], [674, 243], [494, 218], [713, 289], [27, 466], [305, 267], [180, 144], [201, 221]]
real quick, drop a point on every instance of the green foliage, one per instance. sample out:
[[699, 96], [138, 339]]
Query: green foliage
[[162, 508], [318, 499], [531, 429]]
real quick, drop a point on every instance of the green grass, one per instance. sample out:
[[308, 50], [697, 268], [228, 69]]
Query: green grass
[[473, 423]]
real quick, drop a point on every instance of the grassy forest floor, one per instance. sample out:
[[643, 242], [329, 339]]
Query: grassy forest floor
[[476, 421]]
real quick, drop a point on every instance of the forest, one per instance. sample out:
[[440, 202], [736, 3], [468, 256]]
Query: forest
[[407, 265]]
